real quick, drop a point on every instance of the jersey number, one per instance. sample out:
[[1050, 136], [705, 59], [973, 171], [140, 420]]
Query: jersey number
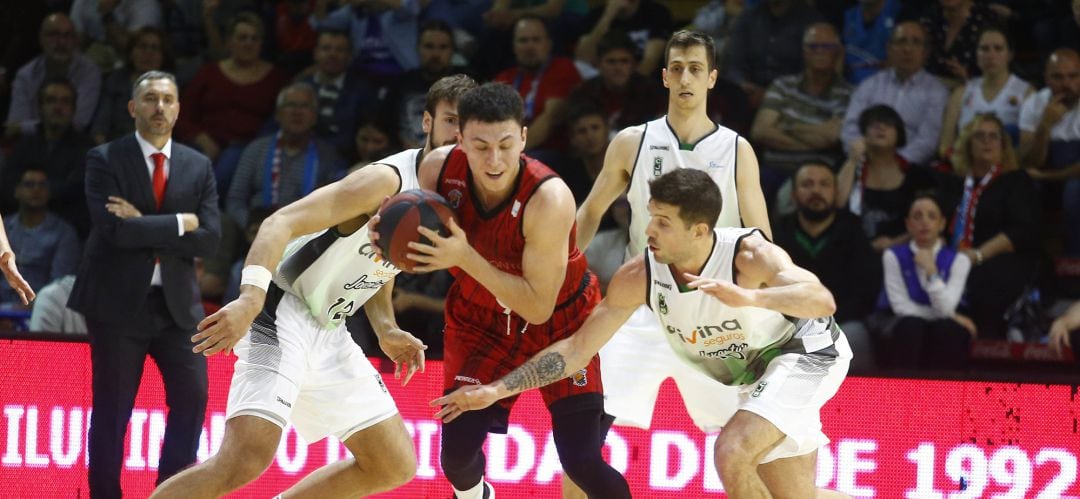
[[340, 309]]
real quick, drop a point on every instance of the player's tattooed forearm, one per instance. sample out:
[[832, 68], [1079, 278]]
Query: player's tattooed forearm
[[534, 374]]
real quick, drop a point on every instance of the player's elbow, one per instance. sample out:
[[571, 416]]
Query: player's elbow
[[538, 314], [828, 303]]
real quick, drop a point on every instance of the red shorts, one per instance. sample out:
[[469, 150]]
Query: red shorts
[[478, 349]]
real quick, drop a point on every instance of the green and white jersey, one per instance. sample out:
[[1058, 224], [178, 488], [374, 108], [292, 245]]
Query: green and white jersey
[[335, 274], [733, 345], [660, 152]]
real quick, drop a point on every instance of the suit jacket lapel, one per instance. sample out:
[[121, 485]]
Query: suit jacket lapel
[[136, 164]]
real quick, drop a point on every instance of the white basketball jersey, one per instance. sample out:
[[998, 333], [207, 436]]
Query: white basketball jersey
[[335, 274], [733, 345], [660, 152], [1006, 104]]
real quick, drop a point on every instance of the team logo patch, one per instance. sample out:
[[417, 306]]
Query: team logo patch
[[454, 197], [381, 384], [661, 304], [657, 166], [760, 388], [580, 378], [713, 165]]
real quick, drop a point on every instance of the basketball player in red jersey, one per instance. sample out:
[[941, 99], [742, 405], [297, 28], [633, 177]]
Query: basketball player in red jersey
[[521, 284]]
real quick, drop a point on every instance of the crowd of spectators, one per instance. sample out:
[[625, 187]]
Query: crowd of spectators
[[921, 156]]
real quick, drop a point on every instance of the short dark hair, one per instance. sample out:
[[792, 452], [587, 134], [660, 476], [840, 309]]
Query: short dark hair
[[886, 115], [447, 89], [153, 75], [167, 60], [57, 80], [929, 194], [532, 17], [333, 32], [251, 19], [693, 191], [582, 108], [813, 163], [491, 103], [685, 39], [616, 39], [437, 25]]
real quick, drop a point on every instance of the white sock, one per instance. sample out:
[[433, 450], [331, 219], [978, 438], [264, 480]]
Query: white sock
[[477, 492]]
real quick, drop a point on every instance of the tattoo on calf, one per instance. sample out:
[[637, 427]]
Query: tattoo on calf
[[534, 374]]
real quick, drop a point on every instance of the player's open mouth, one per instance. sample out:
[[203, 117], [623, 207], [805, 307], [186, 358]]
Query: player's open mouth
[[494, 175]]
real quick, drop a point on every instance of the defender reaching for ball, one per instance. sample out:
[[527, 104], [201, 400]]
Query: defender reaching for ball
[[521, 284], [297, 363], [734, 307]]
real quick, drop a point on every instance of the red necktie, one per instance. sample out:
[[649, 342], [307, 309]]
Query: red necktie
[[159, 178]]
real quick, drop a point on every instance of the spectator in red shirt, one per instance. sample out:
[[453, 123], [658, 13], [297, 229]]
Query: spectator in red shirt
[[543, 81], [229, 100]]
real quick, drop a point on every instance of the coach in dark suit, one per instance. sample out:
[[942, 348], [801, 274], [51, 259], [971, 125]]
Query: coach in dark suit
[[153, 209]]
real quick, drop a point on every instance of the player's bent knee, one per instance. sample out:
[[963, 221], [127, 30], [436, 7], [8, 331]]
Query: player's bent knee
[[732, 453]]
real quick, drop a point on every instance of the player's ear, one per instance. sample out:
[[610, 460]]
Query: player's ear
[[702, 229], [524, 134], [713, 75], [427, 121], [663, 77]]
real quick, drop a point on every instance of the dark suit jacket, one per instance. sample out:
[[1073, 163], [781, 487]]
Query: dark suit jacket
[[114, 276]]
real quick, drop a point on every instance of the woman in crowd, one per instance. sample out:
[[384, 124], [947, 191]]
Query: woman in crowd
[[229, 100], [997, 91], [876, 183], [147, 50], [924, 281], [996, 222]]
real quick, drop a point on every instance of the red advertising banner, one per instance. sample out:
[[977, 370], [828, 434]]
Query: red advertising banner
[[891, 438]]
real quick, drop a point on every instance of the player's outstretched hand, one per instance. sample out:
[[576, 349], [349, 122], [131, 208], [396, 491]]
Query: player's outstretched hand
[[466, 398], [443, 252], [730, 293], [14, 278], [222, 330], [407, 352]]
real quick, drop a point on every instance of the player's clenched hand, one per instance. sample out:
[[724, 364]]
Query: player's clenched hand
[[729, 293], [405, 350], [466, 398], [222, 330], [443, 252]]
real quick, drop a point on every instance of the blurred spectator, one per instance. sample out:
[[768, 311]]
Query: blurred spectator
[[406, 98], [56, 147], [47, 245], [374, 140], [50, 311], [383, 37], [239, 249], [801, 115], [867, 28], [228, 101], [499, 21], [924, 281], [997, 91], [342, 95], [195, 30], [996, 223], [1050, 139], [953, 28], [876, 183], [294, 38], [1065, 331], [1057, 26], [626, 97], [544, 82], [589, 137], [729, 106], [717, 19], [60, 57], [831, 244], [418, 305], [148, 50], [18, 40], [767, 44], [106, 26], [647, 22], [278, 169], [906, 87]]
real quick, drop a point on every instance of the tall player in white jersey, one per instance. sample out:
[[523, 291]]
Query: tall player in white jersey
[[297, 363], [735, 308], [636, 362]]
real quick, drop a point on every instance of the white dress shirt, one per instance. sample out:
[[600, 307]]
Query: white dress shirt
[[148, 150], [944, 296]]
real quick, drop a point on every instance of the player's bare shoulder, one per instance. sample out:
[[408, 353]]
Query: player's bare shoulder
[[432, 165], [757, 260]]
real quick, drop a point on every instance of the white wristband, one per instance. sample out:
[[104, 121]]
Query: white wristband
[[256, 275]]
